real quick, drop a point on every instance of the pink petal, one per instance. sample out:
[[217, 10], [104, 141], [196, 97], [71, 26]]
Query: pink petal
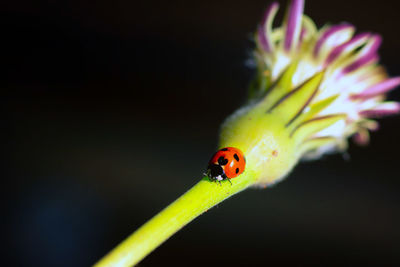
[[293, 24], [382, 110], [362, 61], [378, 89], [353, 43], [327, 34], [264, 30], [361, 138], [367, 54]]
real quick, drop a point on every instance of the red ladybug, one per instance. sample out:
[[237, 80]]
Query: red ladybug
[[227, 163]]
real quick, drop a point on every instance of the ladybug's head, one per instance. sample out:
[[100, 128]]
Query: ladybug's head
[[216, 172]]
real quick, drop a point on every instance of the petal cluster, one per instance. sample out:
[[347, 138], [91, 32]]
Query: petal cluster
[[352, 86]]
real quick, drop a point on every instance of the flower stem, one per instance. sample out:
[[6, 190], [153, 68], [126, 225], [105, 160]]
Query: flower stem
[[201, 197]]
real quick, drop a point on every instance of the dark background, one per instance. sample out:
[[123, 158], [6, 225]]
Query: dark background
[[110, 111]]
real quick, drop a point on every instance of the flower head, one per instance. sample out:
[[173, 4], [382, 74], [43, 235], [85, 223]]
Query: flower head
[[313, 90], [353, 85]]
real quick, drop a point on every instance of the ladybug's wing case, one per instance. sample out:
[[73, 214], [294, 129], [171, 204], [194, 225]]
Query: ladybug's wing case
[[236, 163]]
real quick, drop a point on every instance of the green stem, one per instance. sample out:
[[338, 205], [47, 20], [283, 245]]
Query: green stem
[[196, 201]]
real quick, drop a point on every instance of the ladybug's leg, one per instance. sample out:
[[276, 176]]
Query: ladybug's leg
[[229, 180]]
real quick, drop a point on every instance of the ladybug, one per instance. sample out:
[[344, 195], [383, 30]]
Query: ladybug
[[225, 164]]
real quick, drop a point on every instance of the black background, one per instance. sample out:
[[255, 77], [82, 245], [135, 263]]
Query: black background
[[111, 109]]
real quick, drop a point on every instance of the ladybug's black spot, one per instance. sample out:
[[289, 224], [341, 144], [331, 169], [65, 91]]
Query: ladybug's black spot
[[236, 157], [224, 149], [222, 161], [237, 170]]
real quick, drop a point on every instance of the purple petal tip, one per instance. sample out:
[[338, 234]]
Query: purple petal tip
[[263, 34], [365, 60], [328, 33], [368, 55], [273, 6], [293, 25], [378, 89], [361, 138], [382, 111], [337, 51]]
